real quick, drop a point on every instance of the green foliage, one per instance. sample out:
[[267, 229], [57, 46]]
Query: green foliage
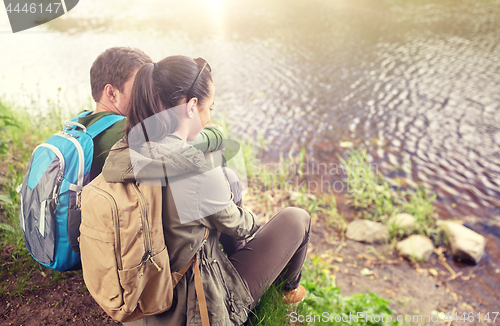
[[271, 310], [6, 121], [56, 277], [301, 161], [324, 296], [332, 215], [367, 188], [5, 199], [249, 156], [7, 228], [378, 198], [10, 230], [21, 129], [420, 205]]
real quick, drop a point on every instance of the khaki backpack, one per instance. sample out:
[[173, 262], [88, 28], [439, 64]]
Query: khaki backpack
[[125, 262]]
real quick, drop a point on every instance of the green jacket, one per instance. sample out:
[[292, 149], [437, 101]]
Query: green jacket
[[227, 296], [210, 139]]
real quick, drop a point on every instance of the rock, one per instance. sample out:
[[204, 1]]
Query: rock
[[367, 231], [465, 244], [295, 195], [416, 247], [405, 222]]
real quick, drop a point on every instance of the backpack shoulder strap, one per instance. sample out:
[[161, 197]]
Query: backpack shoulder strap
[[200, 295], [102, 124], [81, 115], [176, 276]]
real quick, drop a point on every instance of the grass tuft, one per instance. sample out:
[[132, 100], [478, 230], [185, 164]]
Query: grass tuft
[[378, 198]]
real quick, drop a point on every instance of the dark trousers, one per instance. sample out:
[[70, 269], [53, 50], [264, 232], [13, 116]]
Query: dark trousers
[[276, 252]]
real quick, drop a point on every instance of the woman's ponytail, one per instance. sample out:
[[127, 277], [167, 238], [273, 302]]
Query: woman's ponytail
[[143, 121], [158, 91]]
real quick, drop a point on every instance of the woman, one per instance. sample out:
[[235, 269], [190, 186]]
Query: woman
[[170, 104]]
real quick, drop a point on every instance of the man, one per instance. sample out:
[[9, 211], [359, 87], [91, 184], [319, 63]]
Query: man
[[111, 78]]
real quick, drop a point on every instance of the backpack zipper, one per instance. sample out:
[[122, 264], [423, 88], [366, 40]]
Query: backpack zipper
[[114, 209], [62, 166], [145, 225], [81, 159]]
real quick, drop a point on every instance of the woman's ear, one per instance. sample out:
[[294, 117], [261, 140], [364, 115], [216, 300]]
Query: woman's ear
[[192, 105]]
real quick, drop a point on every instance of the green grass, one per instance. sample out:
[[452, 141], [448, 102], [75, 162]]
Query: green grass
[[271, 311], [323, 303], [369, 191], [378, 198], [324, 296]]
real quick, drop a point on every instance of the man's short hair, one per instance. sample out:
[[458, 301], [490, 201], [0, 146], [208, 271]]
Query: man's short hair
[[115, 66]]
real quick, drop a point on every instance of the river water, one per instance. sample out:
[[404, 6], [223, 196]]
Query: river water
[[404, 79]]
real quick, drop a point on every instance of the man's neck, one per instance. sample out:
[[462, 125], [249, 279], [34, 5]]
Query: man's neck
[[103, 108]]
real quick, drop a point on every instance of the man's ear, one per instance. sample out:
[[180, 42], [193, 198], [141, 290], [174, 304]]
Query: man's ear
[[110, 92]]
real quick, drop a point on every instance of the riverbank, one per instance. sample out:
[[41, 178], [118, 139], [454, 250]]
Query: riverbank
[[437, 286], [34, 295]]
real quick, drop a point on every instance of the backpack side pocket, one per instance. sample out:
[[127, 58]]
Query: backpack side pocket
[[39, 193], [100, 247], [100, 270]]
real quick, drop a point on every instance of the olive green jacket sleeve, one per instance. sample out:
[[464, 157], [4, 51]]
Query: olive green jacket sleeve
[[210, 139], [235, 222]]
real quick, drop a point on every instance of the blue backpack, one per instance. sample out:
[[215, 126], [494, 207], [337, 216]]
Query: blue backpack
[[50, 193]]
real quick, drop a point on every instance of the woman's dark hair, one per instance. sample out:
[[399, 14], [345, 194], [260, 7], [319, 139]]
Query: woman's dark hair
[[158, 89]]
